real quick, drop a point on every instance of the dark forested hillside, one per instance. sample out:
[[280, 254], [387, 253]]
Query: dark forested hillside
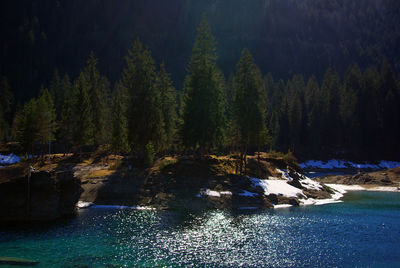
[[315, 77], [286, 36]]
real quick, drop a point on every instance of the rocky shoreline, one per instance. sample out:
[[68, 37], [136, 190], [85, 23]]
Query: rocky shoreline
[[173, 183], [206, 183], [381, 178], [39, 196]]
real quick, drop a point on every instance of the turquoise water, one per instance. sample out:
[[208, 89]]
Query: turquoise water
[[362, 231]]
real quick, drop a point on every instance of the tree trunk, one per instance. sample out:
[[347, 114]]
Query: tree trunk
[[258, 162], [245, 160], [241, 162]]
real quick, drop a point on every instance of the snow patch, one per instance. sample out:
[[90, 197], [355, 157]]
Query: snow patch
[[121, 207], [82, 204], [342, 189], [310, 184], [142, 208], [109, 207], [341, 164], [283, 206], [247, 193], [389, 164], [278, 187], [9, 159], [318, 202], [208, 192]]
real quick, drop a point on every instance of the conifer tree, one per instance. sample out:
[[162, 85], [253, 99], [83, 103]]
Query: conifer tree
[[284, 139], [145, 118], [3, 125], [390, 111], [26, 126], [97, 88], [46, 118], [57, 92], [314, 111], [66, 121], [370, 110], [119, 137], [348, 108], [249, 105], [331, 100], [82, 116], [168, 104], [297, 115], [204, 110], [231, 128]]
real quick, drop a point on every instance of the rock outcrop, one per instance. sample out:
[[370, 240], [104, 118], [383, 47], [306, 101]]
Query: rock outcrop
[[390, 177], [189, 183], [42, 196]]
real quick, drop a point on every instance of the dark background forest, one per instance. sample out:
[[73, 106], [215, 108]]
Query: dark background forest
[[317, 58]]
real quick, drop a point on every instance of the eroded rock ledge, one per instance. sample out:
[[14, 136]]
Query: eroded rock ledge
[[188, 183], [41, 197]]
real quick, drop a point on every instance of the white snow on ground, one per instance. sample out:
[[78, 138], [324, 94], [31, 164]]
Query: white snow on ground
[[318, 202], [283, 206], [82, 204], [247, 193], [389, 164], [142, 208], [342, 189], [208, 192], [310, 184], [9, 159], [109, 207], [339, 164], [121, 207], [278, 187]]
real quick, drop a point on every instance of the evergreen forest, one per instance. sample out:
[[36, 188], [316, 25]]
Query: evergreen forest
[[198, 91]]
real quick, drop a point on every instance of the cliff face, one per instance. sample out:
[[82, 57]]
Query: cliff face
[[44, 196]]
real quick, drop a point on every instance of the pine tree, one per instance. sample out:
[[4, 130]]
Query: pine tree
[[370, 110], [283, 138], [314, 113], [168, 104], [57, 92], [231, 128], [297, 115], [3, 125], [119, 137], [46, 118], [82, 117], [97, 88], [204, 111], [349, 108], [249, 105], [331, 99], [390, 109], [26, 126], [145, 118], [66, 121]]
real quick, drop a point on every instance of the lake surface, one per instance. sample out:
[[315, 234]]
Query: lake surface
[[362, 231]]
